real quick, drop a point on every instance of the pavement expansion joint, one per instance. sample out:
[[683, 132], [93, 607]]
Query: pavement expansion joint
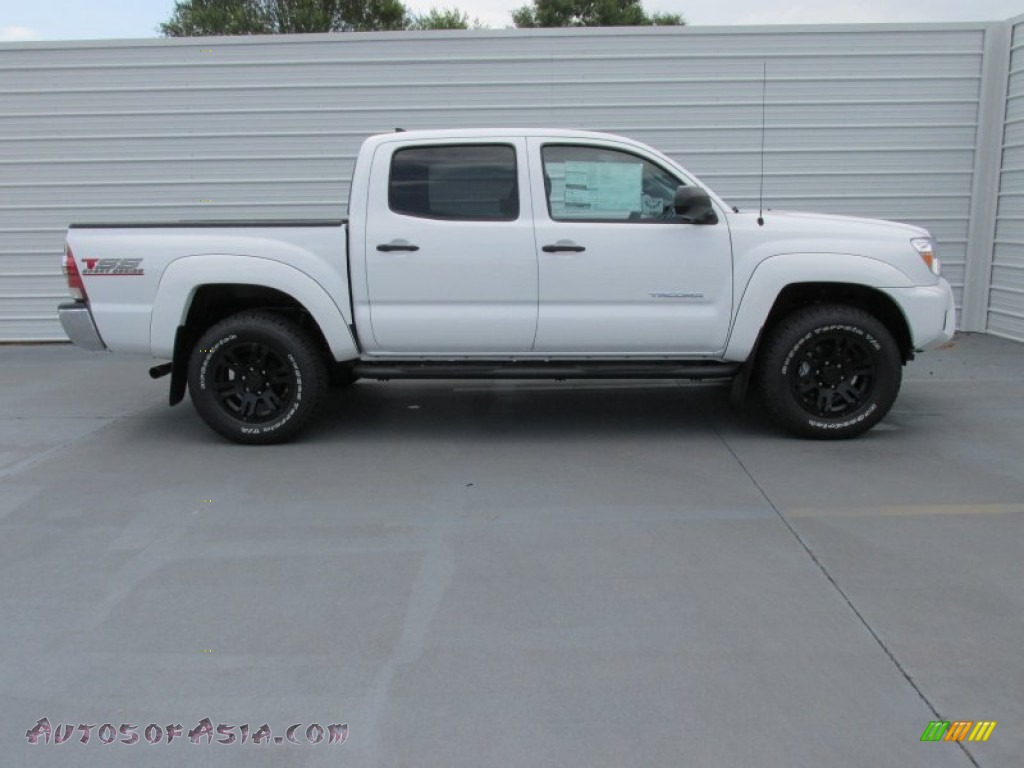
[[846, 598]]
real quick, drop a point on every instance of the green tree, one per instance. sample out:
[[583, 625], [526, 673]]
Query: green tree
[[445, 18], [591, 13], [192, 18], [363, 15]]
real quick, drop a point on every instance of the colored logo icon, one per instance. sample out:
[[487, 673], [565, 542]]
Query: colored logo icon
[[958, 730]]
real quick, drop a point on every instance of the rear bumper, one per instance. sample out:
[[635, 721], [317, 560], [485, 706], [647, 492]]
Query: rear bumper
[[78, 324]]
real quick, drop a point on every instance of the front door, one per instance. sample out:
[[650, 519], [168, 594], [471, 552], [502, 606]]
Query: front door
[[620, 273], [451, 262]]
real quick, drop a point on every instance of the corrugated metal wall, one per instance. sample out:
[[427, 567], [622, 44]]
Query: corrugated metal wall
[[1006, 302], [867, 120]]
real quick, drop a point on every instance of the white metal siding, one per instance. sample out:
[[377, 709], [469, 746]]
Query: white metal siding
[[873, 120], [1006, 302]]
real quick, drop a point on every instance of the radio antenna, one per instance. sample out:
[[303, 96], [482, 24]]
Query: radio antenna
[[764, 94]]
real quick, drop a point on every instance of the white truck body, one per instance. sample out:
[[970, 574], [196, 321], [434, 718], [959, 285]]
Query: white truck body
[[576, 265]]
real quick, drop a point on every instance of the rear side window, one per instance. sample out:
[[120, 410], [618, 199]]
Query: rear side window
[[466, 182]]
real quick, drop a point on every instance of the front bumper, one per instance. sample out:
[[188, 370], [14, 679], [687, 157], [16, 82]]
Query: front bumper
[[930, 311], [79, 326]]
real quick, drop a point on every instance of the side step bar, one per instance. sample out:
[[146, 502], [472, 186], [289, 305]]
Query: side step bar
[[554, 369]]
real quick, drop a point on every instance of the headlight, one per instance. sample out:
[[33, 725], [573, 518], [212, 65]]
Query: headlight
[[926, 248]]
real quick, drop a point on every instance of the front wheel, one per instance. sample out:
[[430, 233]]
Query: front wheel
[[257, 378], [829, 371]]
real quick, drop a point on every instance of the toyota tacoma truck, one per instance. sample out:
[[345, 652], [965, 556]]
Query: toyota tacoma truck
[[506, 254]]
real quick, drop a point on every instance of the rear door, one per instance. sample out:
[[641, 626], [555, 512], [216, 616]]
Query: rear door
[[451, 262]]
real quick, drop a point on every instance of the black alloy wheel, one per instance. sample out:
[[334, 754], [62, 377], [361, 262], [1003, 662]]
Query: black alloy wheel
[[834, 375], [253, 382]]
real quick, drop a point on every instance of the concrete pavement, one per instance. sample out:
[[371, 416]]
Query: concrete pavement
[[513, 574]]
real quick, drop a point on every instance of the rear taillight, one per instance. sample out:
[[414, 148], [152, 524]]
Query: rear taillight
[[75, 285]]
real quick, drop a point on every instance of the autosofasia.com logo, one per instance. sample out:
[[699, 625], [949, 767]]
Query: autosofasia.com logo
[[203, 733], [958, 730]]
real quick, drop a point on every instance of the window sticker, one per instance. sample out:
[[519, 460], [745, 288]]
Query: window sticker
[[595, 190]]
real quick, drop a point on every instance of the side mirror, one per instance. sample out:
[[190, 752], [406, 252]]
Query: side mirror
[[694, 205]]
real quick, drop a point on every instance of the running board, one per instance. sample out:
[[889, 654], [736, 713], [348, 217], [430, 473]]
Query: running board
[[554, 369]]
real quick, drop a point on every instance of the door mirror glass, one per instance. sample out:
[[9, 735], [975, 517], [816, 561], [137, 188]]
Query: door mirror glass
[[693, 205]]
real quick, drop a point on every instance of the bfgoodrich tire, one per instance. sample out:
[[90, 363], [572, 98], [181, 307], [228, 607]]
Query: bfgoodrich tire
[[829, 371], [257, 378]]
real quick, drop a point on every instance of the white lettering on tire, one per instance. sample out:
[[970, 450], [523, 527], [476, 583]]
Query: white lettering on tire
[[842, 424], [875, 343], [209, 356]]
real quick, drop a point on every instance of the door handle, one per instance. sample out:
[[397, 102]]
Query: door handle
[[397, 245], [563, 245]]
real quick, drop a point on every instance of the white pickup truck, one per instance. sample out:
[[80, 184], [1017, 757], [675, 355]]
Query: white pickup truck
[[514, 254]]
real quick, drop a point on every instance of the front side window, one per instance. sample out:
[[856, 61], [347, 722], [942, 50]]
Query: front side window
[[470, 182], [598, 184]]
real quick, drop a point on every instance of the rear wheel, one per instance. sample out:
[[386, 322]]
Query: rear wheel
[[257, 378], [829, 371]]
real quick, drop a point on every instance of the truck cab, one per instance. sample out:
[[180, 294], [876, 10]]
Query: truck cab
[[550, 243]]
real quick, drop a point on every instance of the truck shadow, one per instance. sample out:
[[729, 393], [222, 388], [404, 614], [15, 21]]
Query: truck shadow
[[430, 410]]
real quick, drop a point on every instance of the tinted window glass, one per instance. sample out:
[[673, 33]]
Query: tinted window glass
[[596, 184], [466, 182]]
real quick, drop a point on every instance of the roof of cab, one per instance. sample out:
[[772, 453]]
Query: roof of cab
[[503, 133]]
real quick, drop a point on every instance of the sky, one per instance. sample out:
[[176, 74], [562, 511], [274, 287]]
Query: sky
[[111, 19]]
